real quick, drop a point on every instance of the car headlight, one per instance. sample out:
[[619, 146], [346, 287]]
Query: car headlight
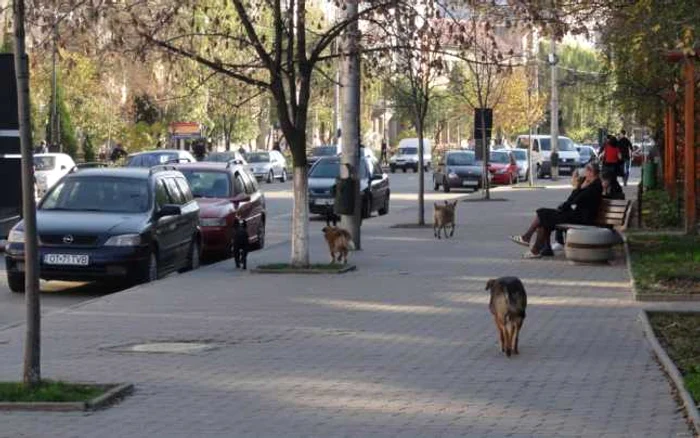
[[212, 221], [451, 173], [16, 236], [124, 240]]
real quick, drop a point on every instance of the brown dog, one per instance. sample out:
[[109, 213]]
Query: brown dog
[[443, 217], [339, 242], [507, 305]]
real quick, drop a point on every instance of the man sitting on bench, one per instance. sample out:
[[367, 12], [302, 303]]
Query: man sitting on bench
[[581, 208]]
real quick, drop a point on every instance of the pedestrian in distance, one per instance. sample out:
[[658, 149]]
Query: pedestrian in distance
[[611, 187], [610, 156], [625, 146], [383, 159]]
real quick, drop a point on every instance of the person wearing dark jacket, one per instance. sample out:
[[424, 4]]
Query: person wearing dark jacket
[[580, 208], [611, 188], [625, 147]]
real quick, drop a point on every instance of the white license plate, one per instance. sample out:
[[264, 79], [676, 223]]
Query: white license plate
[[470, 183], [67, 259], [324, 201]]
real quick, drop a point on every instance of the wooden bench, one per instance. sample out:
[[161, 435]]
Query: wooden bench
[[591, 243], [612, 213]]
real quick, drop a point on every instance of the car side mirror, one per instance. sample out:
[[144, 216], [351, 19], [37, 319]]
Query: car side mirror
[[63, 167], [169, 210]]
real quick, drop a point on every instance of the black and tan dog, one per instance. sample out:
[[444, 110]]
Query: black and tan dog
[[507, 305], [339, 243]]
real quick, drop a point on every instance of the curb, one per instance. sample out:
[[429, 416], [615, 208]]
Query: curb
[[110, 397], [669, 367], [343, 270]]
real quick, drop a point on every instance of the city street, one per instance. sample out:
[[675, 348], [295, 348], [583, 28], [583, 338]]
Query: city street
[[57, 295]]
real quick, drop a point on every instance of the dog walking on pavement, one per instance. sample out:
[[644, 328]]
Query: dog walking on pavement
[[339, 243], [507, 305], [444, 217]]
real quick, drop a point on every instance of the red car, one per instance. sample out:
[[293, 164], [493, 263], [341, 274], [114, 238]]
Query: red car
[[503, 167], [224, 191]]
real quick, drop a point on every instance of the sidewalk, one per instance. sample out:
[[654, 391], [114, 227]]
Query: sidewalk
[[405, 346]]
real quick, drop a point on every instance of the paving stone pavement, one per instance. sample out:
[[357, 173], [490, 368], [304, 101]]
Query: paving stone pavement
[[403, 347]]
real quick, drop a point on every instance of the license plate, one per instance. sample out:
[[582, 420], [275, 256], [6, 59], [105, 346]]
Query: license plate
[[324, 202], [470, 183], [67, 259]]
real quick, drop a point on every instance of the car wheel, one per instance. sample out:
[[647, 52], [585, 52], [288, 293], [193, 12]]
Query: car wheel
[[445, 186], [540, 174], [366, 208], [270, 176], [392, 169], [385, 208], [260, 242], [15, 280], [150, 273], [404, 170], [284, 175], [194, 257]]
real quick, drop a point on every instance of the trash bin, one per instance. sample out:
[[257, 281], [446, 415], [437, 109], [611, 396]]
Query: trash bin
[[649, 175]]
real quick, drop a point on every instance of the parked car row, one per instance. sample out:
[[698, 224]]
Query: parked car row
[[461, 169], [137, 224]]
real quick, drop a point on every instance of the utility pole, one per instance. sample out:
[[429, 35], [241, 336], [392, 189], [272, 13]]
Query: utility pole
[[32, 345], [55, 136], [554, 157], [336, 99], [350, 158]]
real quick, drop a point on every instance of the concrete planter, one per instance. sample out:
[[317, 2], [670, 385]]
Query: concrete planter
[[113, 394]]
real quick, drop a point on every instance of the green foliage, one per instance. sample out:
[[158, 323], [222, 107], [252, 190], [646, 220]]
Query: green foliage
[[49, 391], [68, 139], [659, 210], [145, 109], [665, 264], [88, 150]]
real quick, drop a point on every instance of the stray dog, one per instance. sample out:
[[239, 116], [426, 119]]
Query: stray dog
[[443, 217], [339, 242], [508, 303], [331, 217], [240, 243]]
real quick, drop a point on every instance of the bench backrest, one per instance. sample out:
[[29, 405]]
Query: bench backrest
[[614, 212]]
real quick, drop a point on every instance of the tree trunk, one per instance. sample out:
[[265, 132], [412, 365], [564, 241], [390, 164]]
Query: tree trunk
[[421, 179], [485, 158], [32, 345], [300, 218]]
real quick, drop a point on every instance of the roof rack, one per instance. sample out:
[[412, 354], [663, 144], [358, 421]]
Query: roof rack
[[178, 160], [92, 164]]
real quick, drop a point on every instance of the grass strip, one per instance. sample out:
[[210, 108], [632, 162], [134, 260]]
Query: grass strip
[[665, 264], [49, 391]]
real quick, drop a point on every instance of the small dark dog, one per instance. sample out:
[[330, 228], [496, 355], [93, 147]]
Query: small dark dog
[[331, 218], [507, 305], [240, 243]]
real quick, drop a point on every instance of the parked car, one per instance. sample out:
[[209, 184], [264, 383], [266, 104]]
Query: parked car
[[374, 186], [157, 157], [521, 158], [268, 165], [224, 191], [458, 169], [114, 224], [49, 169], [587, 154], [234, 157], [406, 156], [503, 167], [319, 152], [541, 153]]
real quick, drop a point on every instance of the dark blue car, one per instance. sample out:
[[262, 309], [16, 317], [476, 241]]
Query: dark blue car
[[132, 225]]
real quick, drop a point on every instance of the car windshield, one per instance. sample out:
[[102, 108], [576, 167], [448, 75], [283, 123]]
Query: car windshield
[[150, 160], [520, 154], [324, 151], [584, 151], [460, 159], [565, 144], [221, 157], [499, 157], [208, 184], [44, 163], [258, 157], [408, 151], [103, 194], [331, 169]]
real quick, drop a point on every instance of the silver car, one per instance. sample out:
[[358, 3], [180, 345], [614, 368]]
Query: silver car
[[268, 165]]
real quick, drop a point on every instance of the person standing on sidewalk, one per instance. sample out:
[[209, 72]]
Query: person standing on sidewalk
[[383, 158], [610, 156], [625, 146]]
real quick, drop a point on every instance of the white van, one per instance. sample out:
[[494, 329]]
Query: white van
[[542, 150], [406, 156], [49, 168]]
